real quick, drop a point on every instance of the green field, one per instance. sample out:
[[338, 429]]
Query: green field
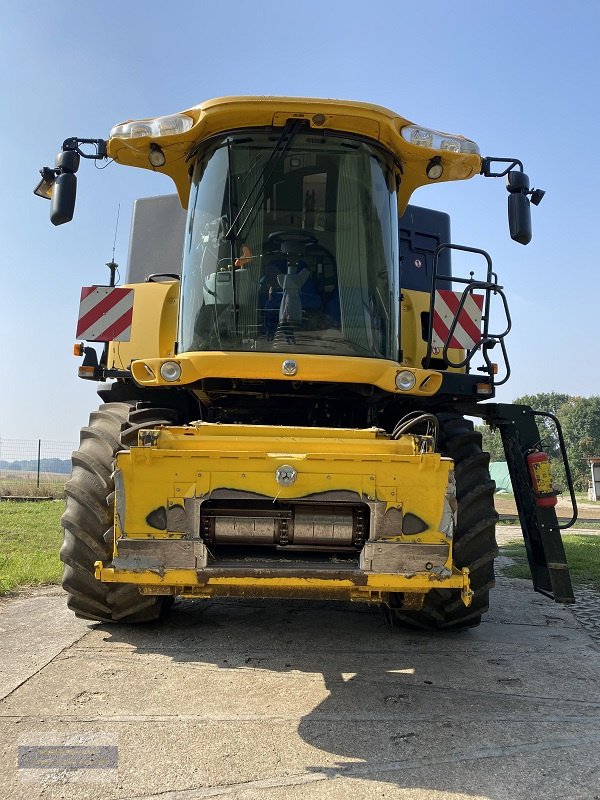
[[15, 483], [583, 558], [30, 538]]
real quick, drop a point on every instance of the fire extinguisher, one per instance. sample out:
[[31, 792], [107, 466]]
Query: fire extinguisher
[[538, 465]]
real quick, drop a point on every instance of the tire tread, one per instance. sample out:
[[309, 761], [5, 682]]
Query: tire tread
[[87, 519], [474, 543]]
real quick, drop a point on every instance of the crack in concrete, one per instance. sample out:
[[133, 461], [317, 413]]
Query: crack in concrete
[[43, 666], [310, 717], [354, 770]]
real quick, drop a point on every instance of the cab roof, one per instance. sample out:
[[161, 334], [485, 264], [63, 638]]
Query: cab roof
[[414, 147]]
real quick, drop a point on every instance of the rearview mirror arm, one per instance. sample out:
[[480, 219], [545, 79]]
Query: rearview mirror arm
[[486, 166], [74, 143]]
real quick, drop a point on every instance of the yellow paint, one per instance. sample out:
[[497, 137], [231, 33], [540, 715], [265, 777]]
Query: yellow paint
[[193, 461], [414, 348], [231, 113], [376, 584], [153, 327], [268, 366]]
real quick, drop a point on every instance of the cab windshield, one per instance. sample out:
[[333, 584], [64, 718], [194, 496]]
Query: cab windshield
[[292, 251]]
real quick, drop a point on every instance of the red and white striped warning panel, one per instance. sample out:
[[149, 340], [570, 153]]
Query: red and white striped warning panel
[[105, 314], [467, 332]]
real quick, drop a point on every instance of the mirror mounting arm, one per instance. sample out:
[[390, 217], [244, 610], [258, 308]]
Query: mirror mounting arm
[[74, 142], [486, 166]]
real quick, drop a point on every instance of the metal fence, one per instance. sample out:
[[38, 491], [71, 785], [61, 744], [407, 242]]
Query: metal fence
[[34, 467]]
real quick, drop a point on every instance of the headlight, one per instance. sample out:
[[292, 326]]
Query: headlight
[[436, 140], [405, 380], [159, 126], [170, 371]]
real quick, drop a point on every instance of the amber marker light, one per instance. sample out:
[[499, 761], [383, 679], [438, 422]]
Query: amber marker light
[[78, 349]]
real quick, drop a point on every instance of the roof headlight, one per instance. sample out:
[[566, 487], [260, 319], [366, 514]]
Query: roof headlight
[[170, 371], [139, 129], [159, 126], [450, 144], [405, 380], [421, 137], [436, 140], [171, 126]]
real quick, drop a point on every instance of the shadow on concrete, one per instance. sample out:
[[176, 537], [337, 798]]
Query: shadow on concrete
[[475, 712]]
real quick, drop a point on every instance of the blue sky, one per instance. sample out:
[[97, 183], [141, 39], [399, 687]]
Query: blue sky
[[520, 78]]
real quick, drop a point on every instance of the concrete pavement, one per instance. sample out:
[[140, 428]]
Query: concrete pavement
[[270, 700]]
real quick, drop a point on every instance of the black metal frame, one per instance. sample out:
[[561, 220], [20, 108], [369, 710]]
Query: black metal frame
[[74, 142], [486, 166], [488, 340], [539, 524]]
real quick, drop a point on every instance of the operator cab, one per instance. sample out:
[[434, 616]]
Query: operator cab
[[292, 246]]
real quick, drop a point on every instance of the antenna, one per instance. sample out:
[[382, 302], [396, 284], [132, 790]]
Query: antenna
[[112, 265], [116, 230]]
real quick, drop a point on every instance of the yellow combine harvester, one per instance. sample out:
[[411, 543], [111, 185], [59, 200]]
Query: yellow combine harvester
[[284, 406]]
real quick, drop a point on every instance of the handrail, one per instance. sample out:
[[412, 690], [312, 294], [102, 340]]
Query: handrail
[[563, 452], [488, 340]]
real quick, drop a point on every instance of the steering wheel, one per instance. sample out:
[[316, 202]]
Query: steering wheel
[[310, 248], [292, 242]]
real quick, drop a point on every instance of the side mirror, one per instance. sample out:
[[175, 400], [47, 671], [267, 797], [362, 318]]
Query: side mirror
[[519, 218], [64, 191], [59, 185], [519, 208], [62, 203]]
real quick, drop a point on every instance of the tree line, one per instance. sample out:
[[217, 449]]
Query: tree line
[[580, 421]]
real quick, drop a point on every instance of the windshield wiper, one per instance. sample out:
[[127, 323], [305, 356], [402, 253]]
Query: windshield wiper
[[288, 134]]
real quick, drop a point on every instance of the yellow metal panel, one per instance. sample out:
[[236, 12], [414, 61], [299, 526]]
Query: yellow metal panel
[[195, 460], [229, 113], [268, 366], [154, 324], [285, 438], [192, 461], [375, 583]]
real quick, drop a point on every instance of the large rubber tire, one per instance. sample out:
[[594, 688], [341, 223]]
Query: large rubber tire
[[474, 539], [88, 517]]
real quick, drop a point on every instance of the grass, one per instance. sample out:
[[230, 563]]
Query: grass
[[583, 558], [30, 539], [25, 484]]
